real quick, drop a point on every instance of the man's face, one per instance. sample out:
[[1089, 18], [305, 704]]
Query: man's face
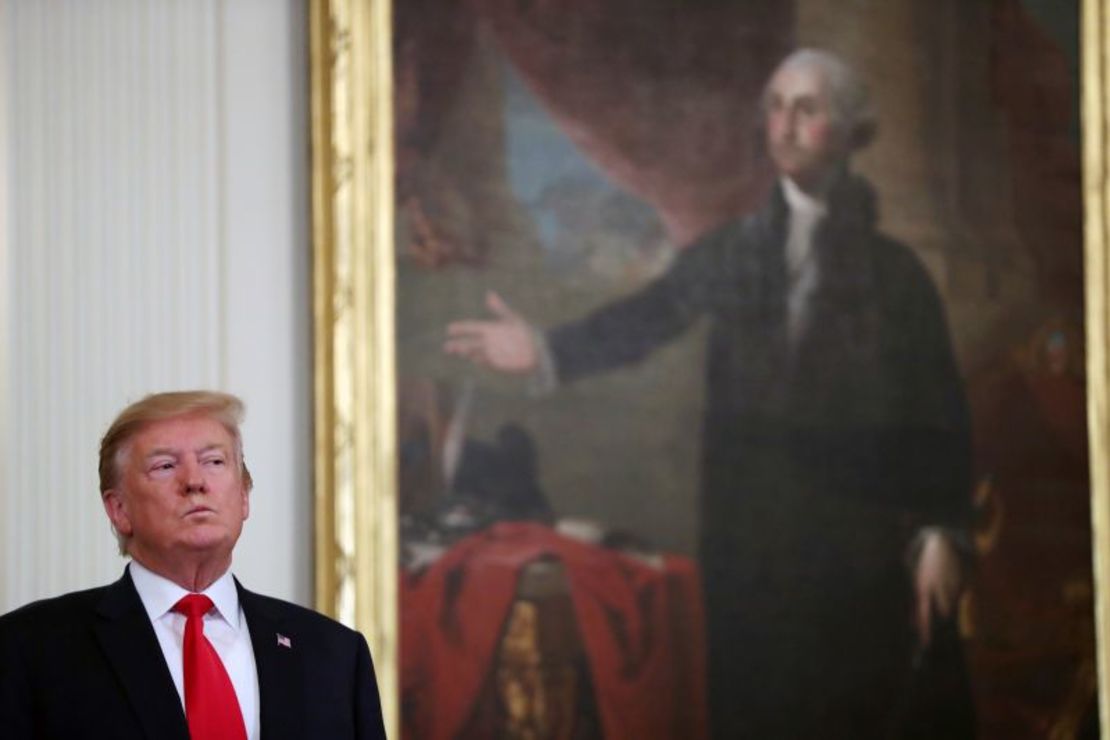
[[802, 137], [180, 493]]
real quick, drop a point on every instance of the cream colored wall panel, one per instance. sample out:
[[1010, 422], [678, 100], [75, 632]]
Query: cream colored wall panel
[[8, 548], [142, 244], [115, 254], [268, 270]]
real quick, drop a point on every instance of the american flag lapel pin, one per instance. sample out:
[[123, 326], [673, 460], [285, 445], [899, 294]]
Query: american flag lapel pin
[[284, 641]]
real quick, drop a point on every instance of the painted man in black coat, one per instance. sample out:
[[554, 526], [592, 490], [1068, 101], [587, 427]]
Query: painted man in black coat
[[835, 442], [112, 662]]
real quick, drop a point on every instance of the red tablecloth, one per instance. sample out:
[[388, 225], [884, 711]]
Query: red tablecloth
[[642, 628]]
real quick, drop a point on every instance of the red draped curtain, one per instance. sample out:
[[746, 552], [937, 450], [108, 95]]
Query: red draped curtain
[[662, 96]]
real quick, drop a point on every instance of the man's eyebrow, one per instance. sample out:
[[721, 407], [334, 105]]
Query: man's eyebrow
[[174, 452]]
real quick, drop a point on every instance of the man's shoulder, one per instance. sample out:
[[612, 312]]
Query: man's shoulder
[[56, 613], [898, 261], [747, 228], [293, 616], [738, 246]]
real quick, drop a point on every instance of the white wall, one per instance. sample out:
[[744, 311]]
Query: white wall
[[155, 236]]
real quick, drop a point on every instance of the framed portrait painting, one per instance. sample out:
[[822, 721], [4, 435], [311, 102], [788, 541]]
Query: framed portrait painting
[[714, 369]]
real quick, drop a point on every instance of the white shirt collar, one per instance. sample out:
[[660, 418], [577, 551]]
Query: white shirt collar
[[801, 202], [159, 594], [805, 213]]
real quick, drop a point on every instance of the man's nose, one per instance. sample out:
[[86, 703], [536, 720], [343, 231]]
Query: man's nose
[[790, 123], [193, 478]]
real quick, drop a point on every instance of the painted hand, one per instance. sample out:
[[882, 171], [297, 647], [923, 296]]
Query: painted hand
[[504, 343], [938, 582]]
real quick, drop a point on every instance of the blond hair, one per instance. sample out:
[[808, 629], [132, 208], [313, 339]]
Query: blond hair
[[115, 445]]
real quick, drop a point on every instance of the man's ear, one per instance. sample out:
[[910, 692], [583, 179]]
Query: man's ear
[[116, 509], [246, 500]]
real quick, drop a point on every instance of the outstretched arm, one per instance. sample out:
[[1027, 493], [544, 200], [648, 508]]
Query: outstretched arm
[[724, 269]]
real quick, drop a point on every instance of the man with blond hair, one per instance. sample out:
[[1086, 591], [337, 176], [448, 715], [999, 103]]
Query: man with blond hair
[[177, 648]]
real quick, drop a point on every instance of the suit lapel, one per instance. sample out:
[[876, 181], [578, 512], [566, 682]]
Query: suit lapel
[[280, 670], [127, 638]]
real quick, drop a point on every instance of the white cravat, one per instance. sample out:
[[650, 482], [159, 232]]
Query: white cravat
[[225, 627], [802, 271]]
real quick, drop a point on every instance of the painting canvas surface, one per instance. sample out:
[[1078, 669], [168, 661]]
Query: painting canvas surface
[[554, 527]]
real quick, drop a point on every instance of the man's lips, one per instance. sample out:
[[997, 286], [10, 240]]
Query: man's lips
[[200, 510]]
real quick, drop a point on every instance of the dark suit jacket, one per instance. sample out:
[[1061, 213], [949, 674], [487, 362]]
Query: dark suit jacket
[[820, 461], [88, 665]]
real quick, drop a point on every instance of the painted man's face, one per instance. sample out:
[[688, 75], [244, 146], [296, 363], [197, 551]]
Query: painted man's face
[[802, 137]]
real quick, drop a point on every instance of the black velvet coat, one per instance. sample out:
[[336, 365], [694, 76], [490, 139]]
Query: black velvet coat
[[821, 463]]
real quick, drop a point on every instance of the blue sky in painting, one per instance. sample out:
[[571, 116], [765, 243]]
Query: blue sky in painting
[[546, 170]]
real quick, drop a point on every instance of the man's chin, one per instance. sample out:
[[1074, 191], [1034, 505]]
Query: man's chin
[[207, 537], [792, 168]]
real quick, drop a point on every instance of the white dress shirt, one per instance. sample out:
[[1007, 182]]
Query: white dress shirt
[[802, 271], [225, 626]]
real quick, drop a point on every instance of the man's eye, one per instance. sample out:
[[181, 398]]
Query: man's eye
[[163, 466], [215, 461], [808, 107]]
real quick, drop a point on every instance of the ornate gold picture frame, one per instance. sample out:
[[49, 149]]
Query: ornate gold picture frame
[[356, 438]]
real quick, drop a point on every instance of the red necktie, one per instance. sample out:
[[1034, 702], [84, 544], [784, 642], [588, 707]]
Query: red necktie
[[211, 707]]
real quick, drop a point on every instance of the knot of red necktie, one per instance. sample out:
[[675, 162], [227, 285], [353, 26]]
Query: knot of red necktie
[[211, 706], [193, 605]]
